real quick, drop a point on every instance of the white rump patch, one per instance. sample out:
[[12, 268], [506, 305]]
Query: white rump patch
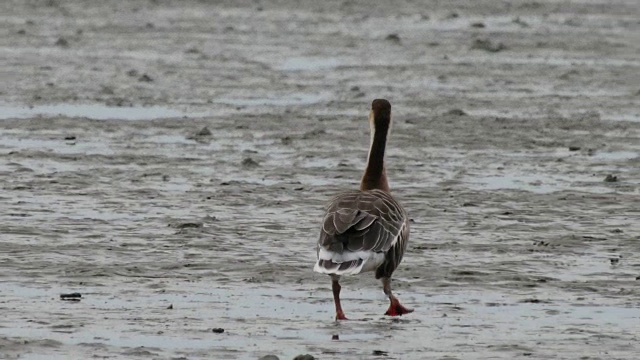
[[370, 261]]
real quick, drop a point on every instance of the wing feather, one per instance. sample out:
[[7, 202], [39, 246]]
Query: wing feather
[[362, 221]]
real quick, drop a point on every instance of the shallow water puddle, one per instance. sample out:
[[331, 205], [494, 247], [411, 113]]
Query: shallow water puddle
[[58, 146], [297, 99], [281, 319], [309, 64], [616, 155], [93, 111], [538, 183]]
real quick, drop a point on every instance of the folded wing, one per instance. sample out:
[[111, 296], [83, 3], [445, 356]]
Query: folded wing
[[358, 228]]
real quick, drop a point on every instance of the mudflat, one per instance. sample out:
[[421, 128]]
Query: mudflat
[[169, 162]]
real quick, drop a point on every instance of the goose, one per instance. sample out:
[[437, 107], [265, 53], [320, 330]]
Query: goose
[[367, 229]]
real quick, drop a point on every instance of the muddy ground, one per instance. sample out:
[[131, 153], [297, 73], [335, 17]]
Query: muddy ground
[[509, 116]]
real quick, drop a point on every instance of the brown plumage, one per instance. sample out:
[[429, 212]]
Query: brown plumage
[[367, 229]]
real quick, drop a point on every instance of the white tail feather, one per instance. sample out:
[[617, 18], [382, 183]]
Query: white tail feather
[[348, 262]]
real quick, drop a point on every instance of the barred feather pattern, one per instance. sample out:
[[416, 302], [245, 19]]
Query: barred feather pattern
[[362, 231]]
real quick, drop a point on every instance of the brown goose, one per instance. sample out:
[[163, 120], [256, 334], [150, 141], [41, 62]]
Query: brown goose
[[367, 229]]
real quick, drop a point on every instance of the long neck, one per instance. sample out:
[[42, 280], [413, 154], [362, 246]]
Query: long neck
[[375, 176]]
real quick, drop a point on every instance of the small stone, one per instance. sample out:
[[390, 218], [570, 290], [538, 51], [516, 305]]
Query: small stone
[[170, 307], [204, 132], [62, 42], [574, 148], [71, 297], [611, 178], [393, 38], [520, 22], [217, 330], [145, 78], [456, 112], [478, 25], [107, 90], [487, 45], [70, 137], [269, 357], [380, 353], [304, 357], [189, 225], [250, 163]]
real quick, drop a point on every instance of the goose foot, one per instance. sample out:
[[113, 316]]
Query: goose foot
[[396, 309], [340, 316]]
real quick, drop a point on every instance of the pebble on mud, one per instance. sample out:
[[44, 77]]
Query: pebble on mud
[[62, 42], [456, 112], [304, 357], [71, 296], [70, 137], [380, 353], [217, 330], [145, 78], [487, 45], [574, 148], [611, 178], [520, 22], [187, 225], [250, 163], [395, 38], [269, 357], [170, 307], [478, 25], [204, 132]]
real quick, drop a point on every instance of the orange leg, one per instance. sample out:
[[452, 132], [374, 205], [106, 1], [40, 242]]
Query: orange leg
[[395, 308], [335, 285]]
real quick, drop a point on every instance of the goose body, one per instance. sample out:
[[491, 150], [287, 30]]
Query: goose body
[[361, 231], [367, 229]]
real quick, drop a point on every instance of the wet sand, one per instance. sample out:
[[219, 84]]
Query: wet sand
[[508, 120]]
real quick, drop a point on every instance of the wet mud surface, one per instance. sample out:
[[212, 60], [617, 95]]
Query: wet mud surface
[[169, 161]]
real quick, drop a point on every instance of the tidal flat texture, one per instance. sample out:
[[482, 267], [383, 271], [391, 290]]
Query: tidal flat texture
[[164, 166]]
